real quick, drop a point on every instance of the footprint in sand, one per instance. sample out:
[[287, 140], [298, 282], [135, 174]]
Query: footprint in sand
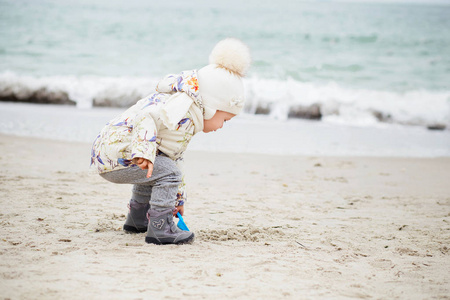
[[245, 233]]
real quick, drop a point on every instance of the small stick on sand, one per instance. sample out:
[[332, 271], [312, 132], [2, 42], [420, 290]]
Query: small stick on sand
[[301, 245]]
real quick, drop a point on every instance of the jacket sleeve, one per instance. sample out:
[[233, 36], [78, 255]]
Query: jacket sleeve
[[166, 85], [181, 195], [144, 133]]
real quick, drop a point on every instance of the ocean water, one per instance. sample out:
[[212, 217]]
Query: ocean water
[[245, 134], [362, 64]]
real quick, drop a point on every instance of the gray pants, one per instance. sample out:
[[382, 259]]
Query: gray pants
[[160, 189]]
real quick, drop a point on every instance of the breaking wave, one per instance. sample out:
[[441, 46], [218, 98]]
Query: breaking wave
[[278, 99]]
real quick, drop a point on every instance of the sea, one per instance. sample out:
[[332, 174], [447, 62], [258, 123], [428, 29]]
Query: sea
[[378, 65]]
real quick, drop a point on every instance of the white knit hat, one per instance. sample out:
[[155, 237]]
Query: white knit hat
[[220, 82]]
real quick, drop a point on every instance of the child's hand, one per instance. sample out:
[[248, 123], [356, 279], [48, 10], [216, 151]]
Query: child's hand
[[144, 164], [178, 209]]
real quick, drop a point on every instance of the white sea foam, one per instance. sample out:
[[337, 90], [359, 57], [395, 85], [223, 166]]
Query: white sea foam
[[277, 98], [84, 90], [350, 106]]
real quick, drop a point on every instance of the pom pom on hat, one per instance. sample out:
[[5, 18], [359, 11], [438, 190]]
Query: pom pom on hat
[[220, 83], [231, 54]]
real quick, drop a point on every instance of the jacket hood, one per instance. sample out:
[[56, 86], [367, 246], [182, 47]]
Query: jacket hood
[[184, 92], [186, 82]]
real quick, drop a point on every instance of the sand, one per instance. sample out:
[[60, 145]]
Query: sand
[[267, 227]]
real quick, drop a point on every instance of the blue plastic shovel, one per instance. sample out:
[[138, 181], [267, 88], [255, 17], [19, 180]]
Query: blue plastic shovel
[[181, 223]]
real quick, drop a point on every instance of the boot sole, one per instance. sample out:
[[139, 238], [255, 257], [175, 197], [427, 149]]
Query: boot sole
[[151, 240], [132, 229]]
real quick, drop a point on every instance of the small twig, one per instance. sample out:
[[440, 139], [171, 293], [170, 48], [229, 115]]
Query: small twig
[[301, 245]]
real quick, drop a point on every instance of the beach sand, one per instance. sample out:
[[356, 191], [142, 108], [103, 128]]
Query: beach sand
[[267, 227]]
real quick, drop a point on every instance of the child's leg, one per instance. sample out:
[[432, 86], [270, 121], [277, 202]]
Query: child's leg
[[164, 183], [138, 206], [160, 189], [141, 193], [161, 227], [166, 180]]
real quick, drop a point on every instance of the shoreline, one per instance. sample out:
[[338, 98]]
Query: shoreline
[[246, 134], [266, 226]]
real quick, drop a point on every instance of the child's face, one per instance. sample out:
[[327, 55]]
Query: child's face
[[217, 121]]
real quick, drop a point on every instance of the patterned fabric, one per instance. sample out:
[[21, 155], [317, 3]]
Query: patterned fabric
[[140, 132]]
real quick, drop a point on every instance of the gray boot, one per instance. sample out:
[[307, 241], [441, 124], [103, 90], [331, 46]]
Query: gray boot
[[163, 230], [137, 221]]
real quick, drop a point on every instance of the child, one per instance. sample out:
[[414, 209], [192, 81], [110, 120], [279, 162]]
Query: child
[[144, 146]]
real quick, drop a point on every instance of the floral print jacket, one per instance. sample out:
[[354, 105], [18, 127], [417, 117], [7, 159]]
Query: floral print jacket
[[140, 132]]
